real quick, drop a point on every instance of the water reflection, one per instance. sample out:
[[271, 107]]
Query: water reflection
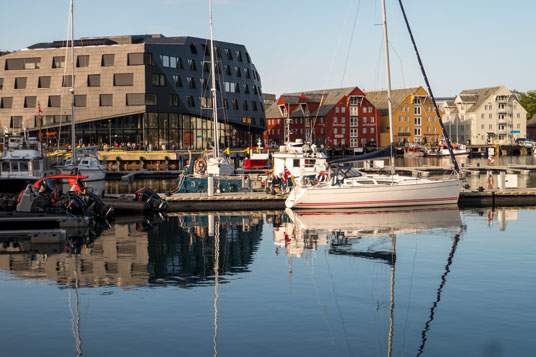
[[365, 233], [359, 232], [177, 250]]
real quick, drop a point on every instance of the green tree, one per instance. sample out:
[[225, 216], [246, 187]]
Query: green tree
[[528, 101]]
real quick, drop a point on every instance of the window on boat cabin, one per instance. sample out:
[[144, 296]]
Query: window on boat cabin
[[82, 61], [296, 163], [5, 166], [309, 163]]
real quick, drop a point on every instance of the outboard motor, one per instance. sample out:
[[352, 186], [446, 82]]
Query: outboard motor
[[154, 201], [97, 207]]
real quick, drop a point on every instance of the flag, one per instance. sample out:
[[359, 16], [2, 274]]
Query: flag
[[39, 106], [286, 173]]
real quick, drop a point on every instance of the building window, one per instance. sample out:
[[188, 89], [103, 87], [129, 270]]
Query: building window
[[93, 80], [229, 54], [254, 106], [6, 102], [123, 79], [16, 122], [235, 104], [43, 82], [238, 73], [417, 120], [178, 81], [54, 101], [245, 105], [190, 100], [353, 121], [105, 100], [364, 130], [135, 99], [353, 142], [135, 59], [335, 131], [417, 131], [206, 102], [353, 110], [20, 83], [372, 119], [193, 49], [191, 82], [67, 81], [165, 61], [158, 79], [22, 63], [151, 99], [336, 109], [30, 102], [343, 109], [417, 110], [1, 83], [353, 132], [107, 60], [58, 61], [82, 61], [80, 100], [239, 56], [372, 130], [191, 65]]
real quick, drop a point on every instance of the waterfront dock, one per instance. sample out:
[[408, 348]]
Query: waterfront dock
[[248, 201]]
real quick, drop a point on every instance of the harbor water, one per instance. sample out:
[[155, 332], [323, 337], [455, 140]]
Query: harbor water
[[416, 282]]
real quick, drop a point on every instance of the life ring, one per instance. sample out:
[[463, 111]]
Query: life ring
[[200, 166]]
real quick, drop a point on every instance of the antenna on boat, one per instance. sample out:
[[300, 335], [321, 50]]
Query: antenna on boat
[[73, 135], [213, 89], [389, 96]]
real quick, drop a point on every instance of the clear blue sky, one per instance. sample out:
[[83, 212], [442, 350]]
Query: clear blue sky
[[300, 45]]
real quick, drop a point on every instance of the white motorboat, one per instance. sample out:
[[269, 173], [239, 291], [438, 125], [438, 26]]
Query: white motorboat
[[22, 161], [299, 159], [346, 187]]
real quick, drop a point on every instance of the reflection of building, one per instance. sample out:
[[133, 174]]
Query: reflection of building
[[178, 250], [147, 89], [119, 257]]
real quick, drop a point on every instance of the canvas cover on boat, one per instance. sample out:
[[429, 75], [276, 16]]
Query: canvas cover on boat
[[383, 153]]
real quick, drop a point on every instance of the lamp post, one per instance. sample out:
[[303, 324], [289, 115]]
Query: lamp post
[[110, 132]]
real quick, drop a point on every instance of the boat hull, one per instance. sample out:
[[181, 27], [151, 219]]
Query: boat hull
[[404, 194]]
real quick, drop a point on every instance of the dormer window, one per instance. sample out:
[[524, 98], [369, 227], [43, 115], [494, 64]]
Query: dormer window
[[355, 100], [418, 99]]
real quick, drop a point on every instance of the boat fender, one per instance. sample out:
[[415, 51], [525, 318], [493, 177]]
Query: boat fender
[[489, 182]]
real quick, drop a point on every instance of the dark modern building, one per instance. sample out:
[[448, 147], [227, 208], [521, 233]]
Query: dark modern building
[[148, 89]]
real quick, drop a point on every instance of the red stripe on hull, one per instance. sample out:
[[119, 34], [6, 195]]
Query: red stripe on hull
[[335, 204]]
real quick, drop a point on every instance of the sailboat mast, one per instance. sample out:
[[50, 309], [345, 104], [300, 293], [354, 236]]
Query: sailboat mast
[[213, 89], [389, 97], [73, 135]]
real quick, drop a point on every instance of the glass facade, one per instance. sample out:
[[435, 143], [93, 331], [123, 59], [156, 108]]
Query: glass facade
[[157, 131]]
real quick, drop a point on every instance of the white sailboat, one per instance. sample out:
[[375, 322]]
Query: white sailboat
[[350, 188], [83, 161]]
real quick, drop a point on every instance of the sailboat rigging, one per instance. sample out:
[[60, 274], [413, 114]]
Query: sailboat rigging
[[86, 161], [350, 188]]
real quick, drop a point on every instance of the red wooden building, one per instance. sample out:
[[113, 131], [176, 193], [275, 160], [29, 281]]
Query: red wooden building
[[333, 118]]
